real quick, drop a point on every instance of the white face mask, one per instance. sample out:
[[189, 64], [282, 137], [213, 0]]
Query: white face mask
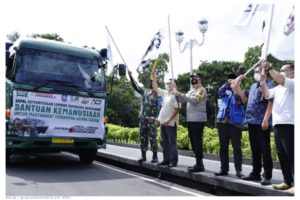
[[257, 77], [283, 74], [167, 87]]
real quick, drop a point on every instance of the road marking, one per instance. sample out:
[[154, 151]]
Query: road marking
[[140, 177]]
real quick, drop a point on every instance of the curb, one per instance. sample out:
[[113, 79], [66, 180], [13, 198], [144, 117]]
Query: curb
[[229, 182], [246, 161]]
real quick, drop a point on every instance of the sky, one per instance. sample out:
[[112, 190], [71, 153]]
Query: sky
[[133, 24]]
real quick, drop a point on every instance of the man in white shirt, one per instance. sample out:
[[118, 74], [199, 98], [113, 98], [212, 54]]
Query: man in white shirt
[[283, 120], [169, 119]]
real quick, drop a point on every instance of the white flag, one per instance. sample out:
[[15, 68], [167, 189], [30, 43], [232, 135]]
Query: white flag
[[247, 15], [282, 47], [251, 11], [151, 52]]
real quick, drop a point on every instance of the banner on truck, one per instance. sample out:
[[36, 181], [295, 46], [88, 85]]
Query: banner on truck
[[44, 114]]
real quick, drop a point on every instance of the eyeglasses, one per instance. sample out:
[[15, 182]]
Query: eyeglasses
[[284, 70]]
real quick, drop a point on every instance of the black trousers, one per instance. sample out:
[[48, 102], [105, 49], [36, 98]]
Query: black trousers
[[285, 146], [226, 133], [168, 140], [195, 130], [261, 149]]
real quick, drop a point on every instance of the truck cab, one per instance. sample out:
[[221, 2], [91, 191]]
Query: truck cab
[[55, 98]]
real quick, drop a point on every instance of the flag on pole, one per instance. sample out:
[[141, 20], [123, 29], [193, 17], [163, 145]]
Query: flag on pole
[[151, 52], [247, 15], [251, 12], [109, 52], [283, 45]]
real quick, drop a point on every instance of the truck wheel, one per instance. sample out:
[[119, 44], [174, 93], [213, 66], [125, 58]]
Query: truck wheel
[[8, 154], [87, 156]]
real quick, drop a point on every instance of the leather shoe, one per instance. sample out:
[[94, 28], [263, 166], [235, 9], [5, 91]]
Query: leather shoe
[[172, 165], [265, 181], [239, 174], [196, 168], [251, 178], [290, 191], [154, 160], [163, 163], [221, 173], [281, 186]]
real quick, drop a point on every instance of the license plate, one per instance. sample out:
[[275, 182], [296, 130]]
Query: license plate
[[62, 140]]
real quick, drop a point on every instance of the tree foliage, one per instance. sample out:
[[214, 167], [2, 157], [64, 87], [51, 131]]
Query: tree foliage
[[13, 36], [122, 105], [161, 70], [49, 36]]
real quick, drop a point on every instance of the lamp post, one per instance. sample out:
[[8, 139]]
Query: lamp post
[[203, 25]]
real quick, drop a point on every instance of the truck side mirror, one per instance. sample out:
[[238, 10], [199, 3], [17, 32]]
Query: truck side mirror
[[122, 70], [103, 54]]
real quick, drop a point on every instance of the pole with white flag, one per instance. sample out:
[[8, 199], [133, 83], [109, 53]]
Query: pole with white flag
[[264, 51], [115, 45], [170, 46]]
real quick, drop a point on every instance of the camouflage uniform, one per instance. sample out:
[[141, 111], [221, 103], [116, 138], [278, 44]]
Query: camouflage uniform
[[149, 111]]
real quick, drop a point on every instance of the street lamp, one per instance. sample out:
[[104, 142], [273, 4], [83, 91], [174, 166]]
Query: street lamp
[[203, 25]]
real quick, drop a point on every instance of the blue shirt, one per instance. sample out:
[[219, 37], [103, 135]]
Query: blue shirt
[[257, 104], [231, 109]]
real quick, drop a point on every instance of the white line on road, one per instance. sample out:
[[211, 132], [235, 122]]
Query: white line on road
[[140, 177]]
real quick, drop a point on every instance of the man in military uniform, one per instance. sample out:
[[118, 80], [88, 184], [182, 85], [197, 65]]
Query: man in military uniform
[[150, 108]]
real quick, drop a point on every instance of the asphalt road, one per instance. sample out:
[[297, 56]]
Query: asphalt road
[[62, 174]]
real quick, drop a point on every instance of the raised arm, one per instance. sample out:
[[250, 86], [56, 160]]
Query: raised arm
[[278, 78], [154, 82], [264, 87], [134, 84], [193, 99], [236, 88]]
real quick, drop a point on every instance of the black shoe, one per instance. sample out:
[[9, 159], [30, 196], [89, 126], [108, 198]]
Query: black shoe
[[143, 157], [221, 173], [163, 163], [265, 181], [196, 168], [239, 174], [154, 160], [172, 165], [251, 178]]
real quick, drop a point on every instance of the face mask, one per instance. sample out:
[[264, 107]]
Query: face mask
[[194, 81], [283, 74], [167, 87], [257, 77]]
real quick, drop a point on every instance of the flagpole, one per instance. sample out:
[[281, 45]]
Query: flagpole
[[116, 46], [170, 46], [264, 54]]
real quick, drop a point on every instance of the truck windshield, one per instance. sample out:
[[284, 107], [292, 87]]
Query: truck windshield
[[43, 68]]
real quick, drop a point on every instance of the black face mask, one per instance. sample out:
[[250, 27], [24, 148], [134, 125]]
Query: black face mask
[[194, 81]]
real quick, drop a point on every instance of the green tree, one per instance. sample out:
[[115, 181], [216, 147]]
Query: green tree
[[161, 70], [215, 74], [50, 36], [13, 36], [122, 105], [183, 85]]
